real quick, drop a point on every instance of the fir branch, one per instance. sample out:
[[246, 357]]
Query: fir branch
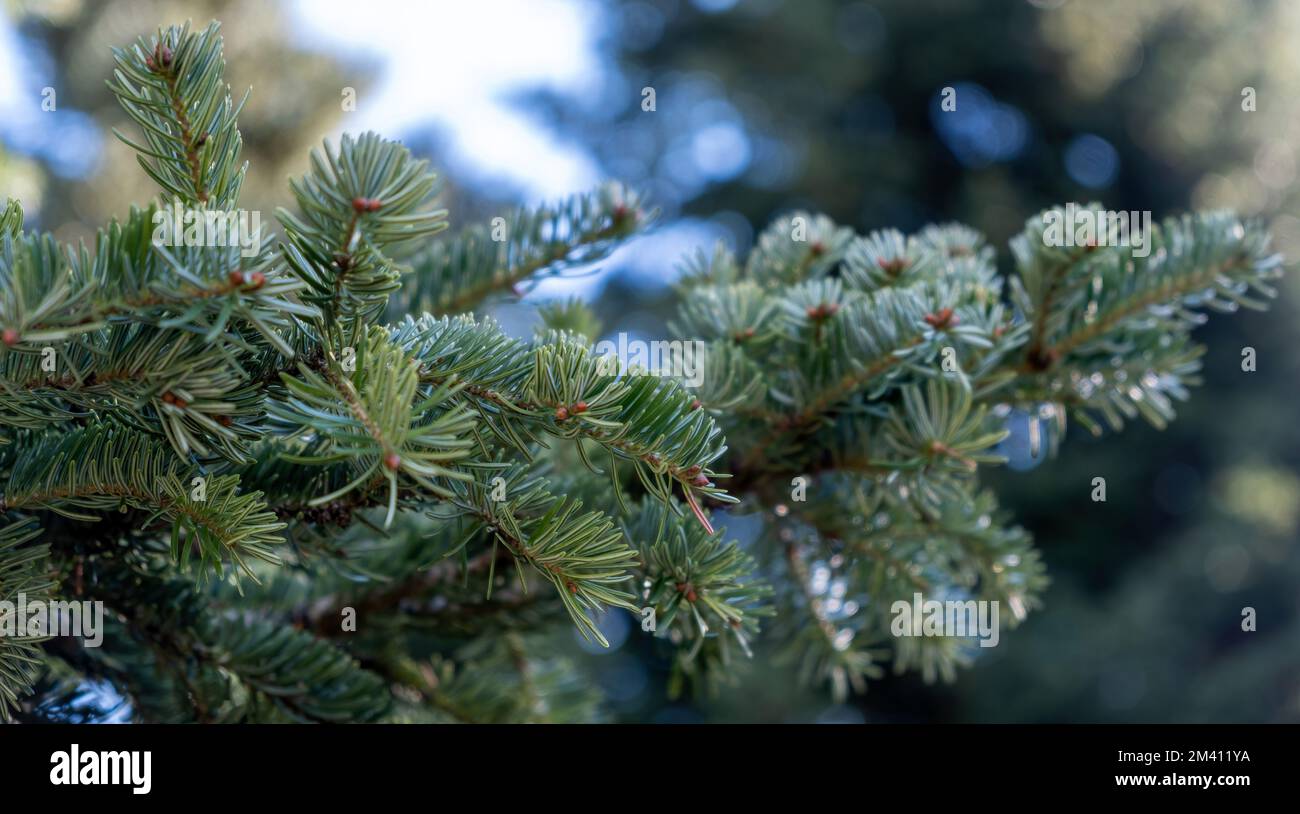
[[103, 468], [796, 247], [323, 614], [225, 666], [304, 678], [162, 382], [1077, 297], [22, 572], [455, 276], [360, 207], [501, 683], [828, 654], [11, 218], [49, 295], [172, 86], [563, 389], [582, 554], [699, 585], [371, 417]]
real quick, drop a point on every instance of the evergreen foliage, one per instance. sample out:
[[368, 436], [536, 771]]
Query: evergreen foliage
[[310, 484]]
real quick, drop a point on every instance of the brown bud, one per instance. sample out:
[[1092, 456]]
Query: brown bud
[[392, 460], [580, 407], [10, 336], [236, 278], [561, 413], [892, 266], [701, 480], [373, 204], [942, 319], [360, 204], [168, 397], [695, 404], [258, 279], [821, 311]]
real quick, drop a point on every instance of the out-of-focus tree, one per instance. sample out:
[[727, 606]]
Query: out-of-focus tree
[[66, 46], [760, 107]]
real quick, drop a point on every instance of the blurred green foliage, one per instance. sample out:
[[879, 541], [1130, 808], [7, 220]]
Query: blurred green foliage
[[1144, 619]]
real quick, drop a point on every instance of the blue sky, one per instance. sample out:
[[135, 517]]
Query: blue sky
[[462, 85]]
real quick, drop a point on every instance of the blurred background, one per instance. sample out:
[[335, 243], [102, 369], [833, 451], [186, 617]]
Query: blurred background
[[762, 106]]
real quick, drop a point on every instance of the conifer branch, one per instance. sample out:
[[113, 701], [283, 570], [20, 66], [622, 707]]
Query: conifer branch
[[360, 207], [561, 388], [372, 418], [455, 276], [172, 86], [104, 468], [257, 411], [22, 573]]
